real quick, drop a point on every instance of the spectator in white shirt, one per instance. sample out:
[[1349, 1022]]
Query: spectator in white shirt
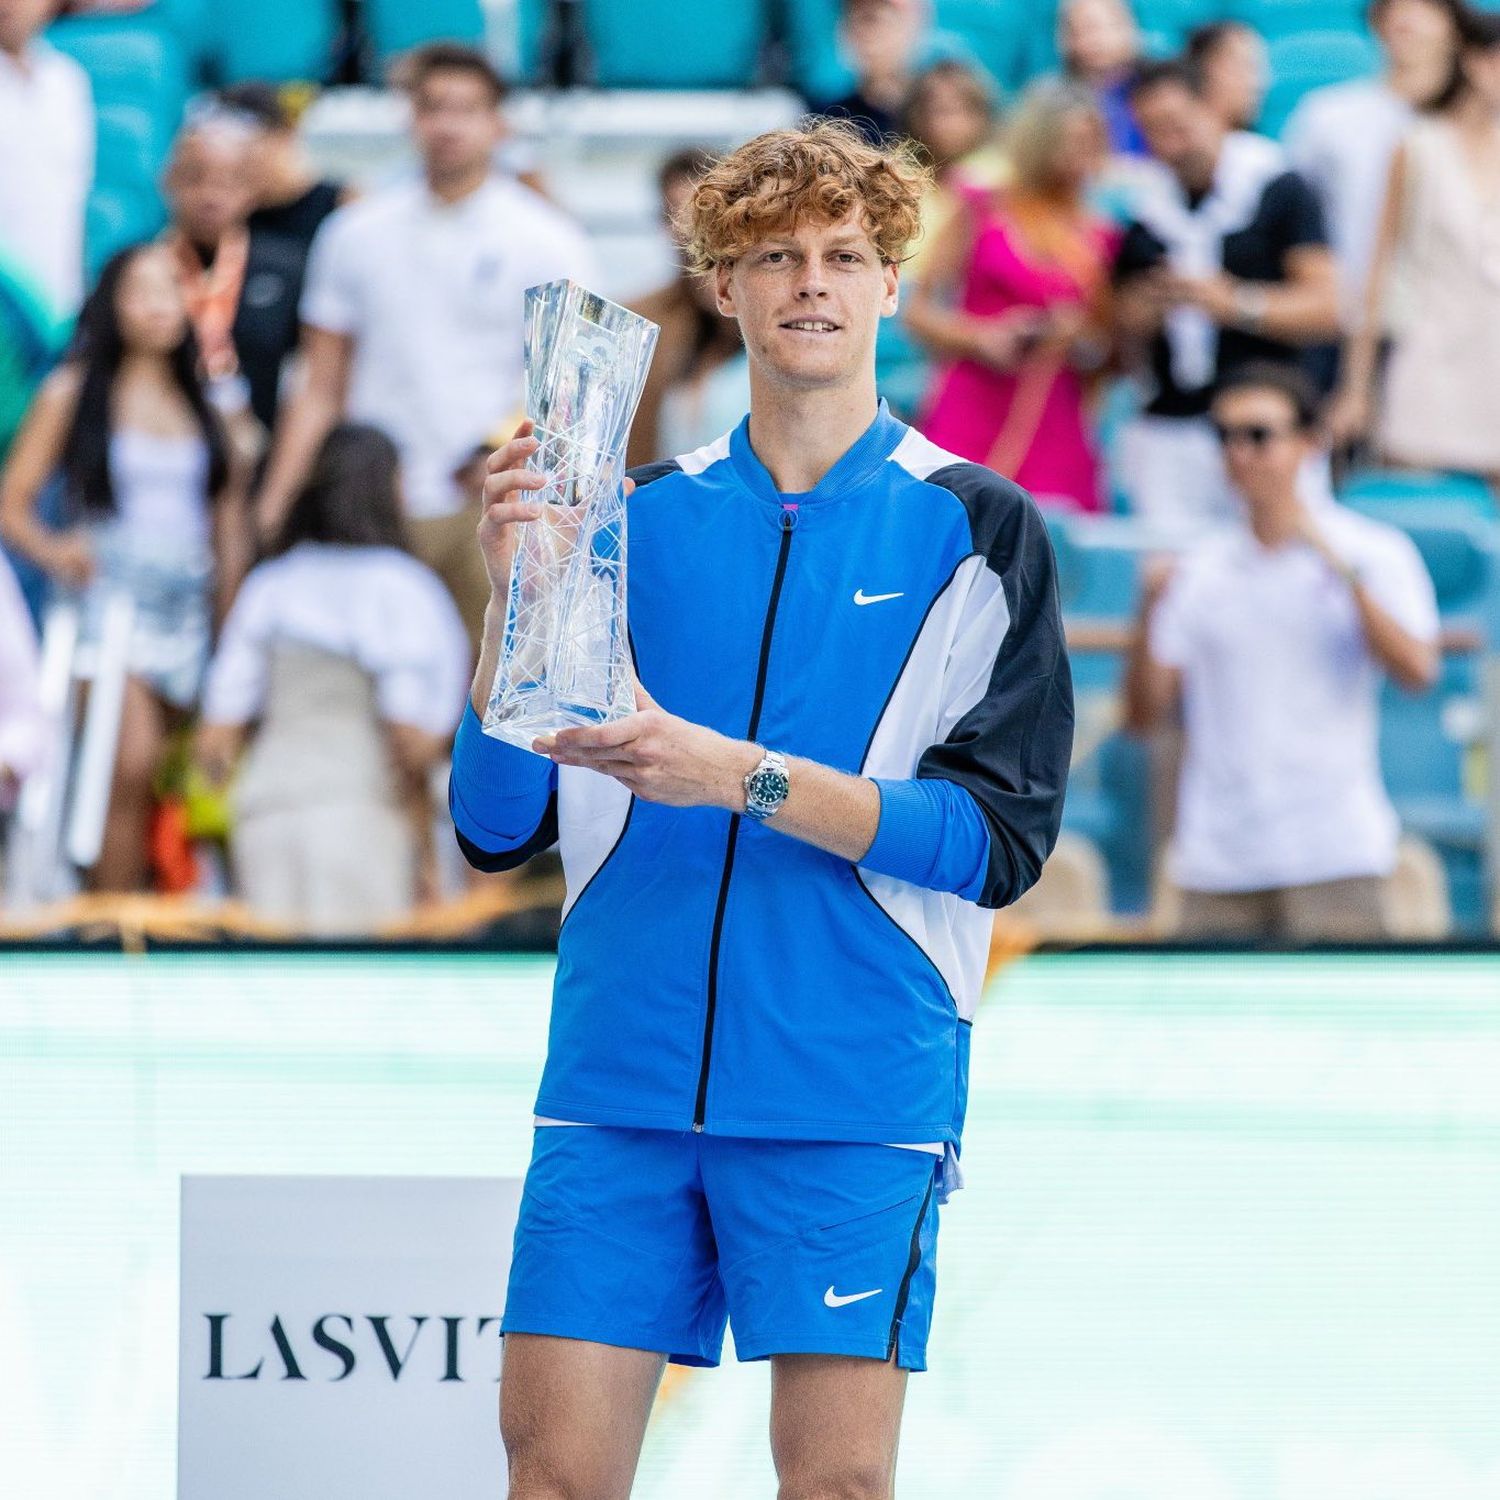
[[345, 667], [1341, 138], [46, 154], [412, 313], [1274, 638]]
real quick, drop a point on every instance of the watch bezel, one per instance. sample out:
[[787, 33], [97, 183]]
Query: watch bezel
[[767, 786]]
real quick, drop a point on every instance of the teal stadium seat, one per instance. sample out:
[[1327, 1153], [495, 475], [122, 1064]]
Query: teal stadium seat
[[663, 44], [395, 26], [1283, 18], [278, 41], [531, 26], [1424, 749], [116, 218], [30, 339], [1374, 490], [997, 33], [129, 60], [1108, 798], [125, 205], [1310, 60], [902, 369], [129, 149], [193, 24], [1166, 23], [809, 30], [139, 74], [991, 36]]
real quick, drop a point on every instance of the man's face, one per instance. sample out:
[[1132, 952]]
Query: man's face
[[1097, 37], [20, 20], [1263, 446], [809, 301], [1181, 131], [1235, 78], [457, 124], [265, 150], [1415, 33], [210, 184], [882, 35]]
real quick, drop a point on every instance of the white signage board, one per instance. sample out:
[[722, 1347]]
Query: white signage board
[[339, 1337]]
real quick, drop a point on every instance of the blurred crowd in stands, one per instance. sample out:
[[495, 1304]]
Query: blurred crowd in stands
[[266, 423]]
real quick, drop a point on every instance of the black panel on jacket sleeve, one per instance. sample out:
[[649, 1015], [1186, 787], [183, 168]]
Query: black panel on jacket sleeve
[[645, 474], [1012, 749], [490, 862]]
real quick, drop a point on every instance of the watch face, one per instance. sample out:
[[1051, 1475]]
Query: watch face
[[770, 785]]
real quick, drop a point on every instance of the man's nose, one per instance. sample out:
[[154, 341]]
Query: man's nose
[[813, 280]]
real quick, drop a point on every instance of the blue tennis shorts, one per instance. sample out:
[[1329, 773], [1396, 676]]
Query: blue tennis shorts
[[654, 1239]]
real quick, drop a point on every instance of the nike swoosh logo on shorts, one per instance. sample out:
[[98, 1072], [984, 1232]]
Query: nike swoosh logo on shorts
[[832, 1299], [860, 597]]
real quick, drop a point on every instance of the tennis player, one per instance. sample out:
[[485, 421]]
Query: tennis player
[[853, 730]]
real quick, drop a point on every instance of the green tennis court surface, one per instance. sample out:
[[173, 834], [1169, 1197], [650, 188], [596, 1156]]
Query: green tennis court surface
[[1231, 1230]]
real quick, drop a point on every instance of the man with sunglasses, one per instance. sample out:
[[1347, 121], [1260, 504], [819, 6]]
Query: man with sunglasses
[[1273, 636]]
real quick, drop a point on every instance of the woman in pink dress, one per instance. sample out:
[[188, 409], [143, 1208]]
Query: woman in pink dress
[[1030, 265]]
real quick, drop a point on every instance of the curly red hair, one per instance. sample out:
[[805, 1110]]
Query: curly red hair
[[820, 172]]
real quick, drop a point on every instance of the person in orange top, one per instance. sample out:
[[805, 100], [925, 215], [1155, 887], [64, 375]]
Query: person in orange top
[[240, 289]]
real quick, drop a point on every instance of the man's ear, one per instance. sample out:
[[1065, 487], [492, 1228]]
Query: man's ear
[[723, 292], [892, 298]]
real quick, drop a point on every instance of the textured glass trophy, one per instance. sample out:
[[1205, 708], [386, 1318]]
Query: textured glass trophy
[[564, 654]]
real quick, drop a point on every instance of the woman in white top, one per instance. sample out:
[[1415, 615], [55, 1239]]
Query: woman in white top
[[158, 510], [345, 667], [1440, 234]]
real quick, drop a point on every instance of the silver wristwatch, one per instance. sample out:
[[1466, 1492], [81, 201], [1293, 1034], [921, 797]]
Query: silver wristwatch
[[766, 787]]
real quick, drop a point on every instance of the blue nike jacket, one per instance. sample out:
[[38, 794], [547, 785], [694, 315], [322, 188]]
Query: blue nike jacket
[[900, 621]]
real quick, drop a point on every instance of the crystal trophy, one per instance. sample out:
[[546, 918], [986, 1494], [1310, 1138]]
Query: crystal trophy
[[564, 652]]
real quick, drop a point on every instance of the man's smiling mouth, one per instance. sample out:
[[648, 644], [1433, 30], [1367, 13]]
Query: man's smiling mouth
[[811, 325]]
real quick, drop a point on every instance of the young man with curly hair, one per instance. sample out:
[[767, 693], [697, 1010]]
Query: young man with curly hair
[[855, 717]]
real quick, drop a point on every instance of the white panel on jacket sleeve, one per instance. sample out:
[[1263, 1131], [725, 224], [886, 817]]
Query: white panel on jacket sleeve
[[946, 673], [591, 811], [701, 458], [953, 933], [920, 456], [944, 677]]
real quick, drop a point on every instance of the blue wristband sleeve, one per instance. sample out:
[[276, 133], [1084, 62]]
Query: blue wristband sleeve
[[497, 792], [931, 833]]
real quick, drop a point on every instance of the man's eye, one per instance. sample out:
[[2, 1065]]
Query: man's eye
[[774, 255], [849, 257]]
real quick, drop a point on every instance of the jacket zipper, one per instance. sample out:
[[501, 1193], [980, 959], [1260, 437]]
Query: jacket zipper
[[788, 525]]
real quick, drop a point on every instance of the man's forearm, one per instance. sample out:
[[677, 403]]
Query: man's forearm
[[929, 832], [307, 421], [1295, 312], [489, 654], [932, 833], [826, 808], [1412, 662]]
